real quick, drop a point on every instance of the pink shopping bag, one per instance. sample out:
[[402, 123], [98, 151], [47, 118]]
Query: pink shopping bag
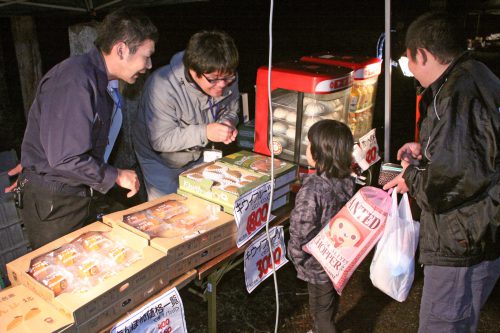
[[343, 244]]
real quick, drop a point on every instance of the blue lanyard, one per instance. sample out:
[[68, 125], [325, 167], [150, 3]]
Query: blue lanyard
[[216, 113], [118, 97]]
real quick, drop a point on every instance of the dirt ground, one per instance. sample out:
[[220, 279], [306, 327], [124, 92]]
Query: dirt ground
[[363, 308]]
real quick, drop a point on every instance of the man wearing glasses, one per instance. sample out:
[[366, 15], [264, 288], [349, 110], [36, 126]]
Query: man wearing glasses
[[186, 105]]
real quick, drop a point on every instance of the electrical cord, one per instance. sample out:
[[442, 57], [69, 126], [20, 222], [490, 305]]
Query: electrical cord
[[270, 145]]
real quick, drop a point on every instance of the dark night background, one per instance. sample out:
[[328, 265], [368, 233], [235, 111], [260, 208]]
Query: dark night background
[[299, 28]]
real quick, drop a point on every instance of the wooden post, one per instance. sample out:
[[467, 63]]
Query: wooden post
[[81, 37], [28, 57], [5, 107]]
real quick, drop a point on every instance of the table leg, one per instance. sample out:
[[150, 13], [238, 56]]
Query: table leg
[[212, 299]]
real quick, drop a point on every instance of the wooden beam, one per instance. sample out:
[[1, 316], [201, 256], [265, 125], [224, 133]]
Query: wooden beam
[[28, 57]]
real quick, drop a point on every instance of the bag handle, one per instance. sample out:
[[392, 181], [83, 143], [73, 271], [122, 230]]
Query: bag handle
[[404, 208], [394, 206]]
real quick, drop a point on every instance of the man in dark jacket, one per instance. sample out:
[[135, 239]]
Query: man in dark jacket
[[68, 126], [456, 182]]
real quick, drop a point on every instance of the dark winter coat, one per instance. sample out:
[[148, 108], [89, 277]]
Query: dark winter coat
[[457, 186], [317, 201], [68, 125]]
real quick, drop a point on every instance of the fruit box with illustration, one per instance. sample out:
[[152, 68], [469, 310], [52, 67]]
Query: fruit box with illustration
[[23, 311], [176, 225], [284, 172], [220, 183], [94, 274]]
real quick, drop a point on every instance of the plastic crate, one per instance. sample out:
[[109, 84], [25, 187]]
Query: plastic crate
[[8, 256], [4, 182], [13, 243], [8, 212]]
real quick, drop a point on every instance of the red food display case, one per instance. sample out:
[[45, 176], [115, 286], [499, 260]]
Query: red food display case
[[301, 94], [363, 93]]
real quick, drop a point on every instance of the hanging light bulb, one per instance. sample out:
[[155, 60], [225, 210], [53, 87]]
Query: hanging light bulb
[[403, 64]]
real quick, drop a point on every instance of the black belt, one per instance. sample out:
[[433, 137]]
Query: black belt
[[56, 187], [193, 149]]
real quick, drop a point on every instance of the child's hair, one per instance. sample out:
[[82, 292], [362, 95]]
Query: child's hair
[[331, 148]]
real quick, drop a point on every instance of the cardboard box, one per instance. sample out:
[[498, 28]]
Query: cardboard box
[[183, 245], [128, 302], [142, 275], [22, 311], [132, 321], [201, 182], [284, 172], [280, 202], [181, 266]]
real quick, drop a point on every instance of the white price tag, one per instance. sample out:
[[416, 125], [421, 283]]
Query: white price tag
[[257, 262], [366, 152], [210, 155], [250, 212], [164, 314]]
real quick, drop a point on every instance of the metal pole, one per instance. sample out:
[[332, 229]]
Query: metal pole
[[387, 68]]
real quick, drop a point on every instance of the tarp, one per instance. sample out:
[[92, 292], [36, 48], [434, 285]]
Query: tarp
[[85, 7]]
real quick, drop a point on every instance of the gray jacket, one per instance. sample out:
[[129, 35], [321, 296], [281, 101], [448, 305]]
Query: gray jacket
[[174, 113], [317, 201]]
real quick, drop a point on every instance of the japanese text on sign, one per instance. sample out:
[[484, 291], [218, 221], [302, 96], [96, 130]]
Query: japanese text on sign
[[164, 314], [259, 260], [250, 212], [366, 152]]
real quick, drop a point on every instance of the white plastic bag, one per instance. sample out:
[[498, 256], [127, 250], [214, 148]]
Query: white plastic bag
[[393, 265]]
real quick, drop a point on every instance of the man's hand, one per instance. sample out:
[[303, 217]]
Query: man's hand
[[233, 135], [221, 132], [399, 182], [408, 154], [128, 179], [13, 172], [411, 153]]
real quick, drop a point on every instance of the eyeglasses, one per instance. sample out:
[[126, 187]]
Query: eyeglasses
[[227, 79]]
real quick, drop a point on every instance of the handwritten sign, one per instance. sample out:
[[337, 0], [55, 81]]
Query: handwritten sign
[[163, 314], [250, 212], [366, 152], [258, 260]]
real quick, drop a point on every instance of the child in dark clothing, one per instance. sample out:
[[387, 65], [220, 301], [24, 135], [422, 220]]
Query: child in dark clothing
[[321, 196]]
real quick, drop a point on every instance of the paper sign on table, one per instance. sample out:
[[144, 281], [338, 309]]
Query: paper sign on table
[[257, 261], [250, 212], [366, 152], [163, 314]]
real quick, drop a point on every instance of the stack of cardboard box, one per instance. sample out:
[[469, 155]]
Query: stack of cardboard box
[[284, 173], [93, 308], [206, 230], [225, 180], [171, 235], [24, 311]]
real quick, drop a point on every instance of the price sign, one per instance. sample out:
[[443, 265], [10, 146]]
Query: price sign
[[366, 152], [250, 212], [163, 314], [258, 262]]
